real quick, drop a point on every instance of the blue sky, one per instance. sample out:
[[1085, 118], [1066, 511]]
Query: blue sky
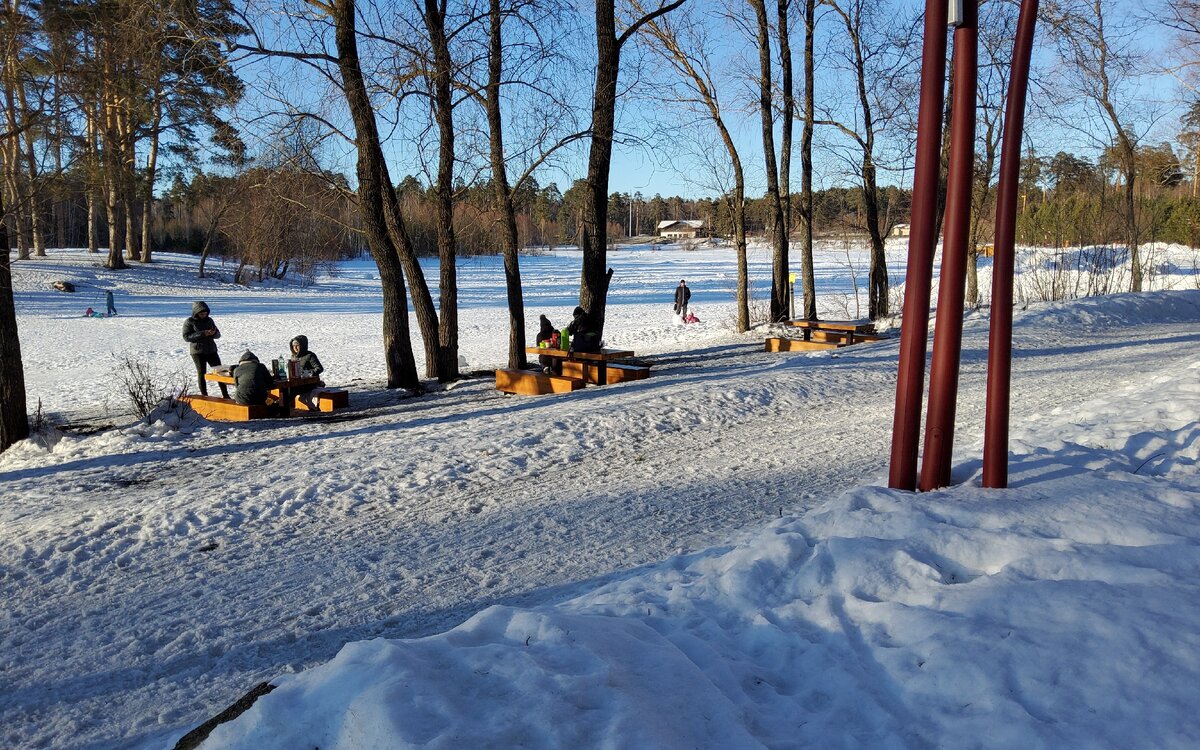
[[665, 160]]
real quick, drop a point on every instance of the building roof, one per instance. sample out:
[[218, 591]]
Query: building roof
[[693, 223]]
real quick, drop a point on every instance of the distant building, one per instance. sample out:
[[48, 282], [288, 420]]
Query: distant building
[[900, 230], [680, 229]]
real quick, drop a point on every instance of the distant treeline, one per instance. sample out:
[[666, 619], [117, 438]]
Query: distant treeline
[[276, 220]]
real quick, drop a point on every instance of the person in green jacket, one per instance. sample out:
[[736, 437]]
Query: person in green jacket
[[252, 381]]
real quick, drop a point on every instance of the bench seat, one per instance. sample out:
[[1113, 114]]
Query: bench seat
[[615, 373], [224, 409], [325, 399], [530, 383], [774, 344]]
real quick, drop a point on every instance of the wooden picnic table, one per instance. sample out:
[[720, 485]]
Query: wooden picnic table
[[599, 360], [284, 390], [842, 329]]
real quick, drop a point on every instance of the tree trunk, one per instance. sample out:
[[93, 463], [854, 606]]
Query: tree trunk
[[93, 240], [148, 190], [116, 227], [14, 420], [444, 191], [808, 276], [1135, 263], [401, 365], [132, 236], [33, 193], [504, 203], [593, 286], [779, 270], [789, 112]]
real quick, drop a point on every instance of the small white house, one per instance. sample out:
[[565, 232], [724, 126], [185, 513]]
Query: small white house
[[900, 230], [680, 229]]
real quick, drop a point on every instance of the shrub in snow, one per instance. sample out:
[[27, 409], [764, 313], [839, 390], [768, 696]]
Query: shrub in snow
[[152, 394]]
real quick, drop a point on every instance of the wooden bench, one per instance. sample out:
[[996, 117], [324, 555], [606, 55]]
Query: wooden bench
[[775, 344], [325, 400], [530, 383], [224, 409], [616, 373]]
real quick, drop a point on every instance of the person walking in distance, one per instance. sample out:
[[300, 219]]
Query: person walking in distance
[[108, 298], [201, 333], [682, 295]]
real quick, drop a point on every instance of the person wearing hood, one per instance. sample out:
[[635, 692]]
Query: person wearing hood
[[306, 361], [585, 337], [201, 333], [252, 381], [546, 332]]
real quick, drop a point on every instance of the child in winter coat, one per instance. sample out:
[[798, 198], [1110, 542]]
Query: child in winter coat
[[545, 333]]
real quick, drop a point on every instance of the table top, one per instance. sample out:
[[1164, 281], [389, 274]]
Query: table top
[[832, 325], [603, 355], [221, 377]]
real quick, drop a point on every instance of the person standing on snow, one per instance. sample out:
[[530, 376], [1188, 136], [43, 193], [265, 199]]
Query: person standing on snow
[[108, 299], [682, 295], [201, 333]]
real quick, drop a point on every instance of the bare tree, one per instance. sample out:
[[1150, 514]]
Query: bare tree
[[593, 291], [1096, 44], [875, 58], [779, 267], [683, 43]]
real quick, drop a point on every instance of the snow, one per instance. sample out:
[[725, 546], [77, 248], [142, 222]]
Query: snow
[[696, 560]]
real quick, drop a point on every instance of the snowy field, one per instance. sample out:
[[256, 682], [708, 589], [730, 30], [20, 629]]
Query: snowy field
[[696, 560]]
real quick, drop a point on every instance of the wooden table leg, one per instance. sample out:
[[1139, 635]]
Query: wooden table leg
[[601, 372]]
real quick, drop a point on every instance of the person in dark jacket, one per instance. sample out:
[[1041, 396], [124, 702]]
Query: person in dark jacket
[[252, 381], [584, 334], [546, 332], [682, 295], [201, 333], [305, 360], [108, 299]]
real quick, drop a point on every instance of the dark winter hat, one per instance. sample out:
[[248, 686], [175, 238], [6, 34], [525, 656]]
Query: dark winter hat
[[579, 311], [248, 356], [302, 340], [199, 307]]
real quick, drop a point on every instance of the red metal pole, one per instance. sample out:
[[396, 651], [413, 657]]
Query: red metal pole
[[906, 425], [999, 378], [947, 334]]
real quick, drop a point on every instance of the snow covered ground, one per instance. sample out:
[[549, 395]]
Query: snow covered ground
[[511, 551]]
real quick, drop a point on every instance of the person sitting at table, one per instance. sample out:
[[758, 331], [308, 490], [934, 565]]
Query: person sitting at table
[[545, 333], [252, 381], [307, 364], [585, 337]]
